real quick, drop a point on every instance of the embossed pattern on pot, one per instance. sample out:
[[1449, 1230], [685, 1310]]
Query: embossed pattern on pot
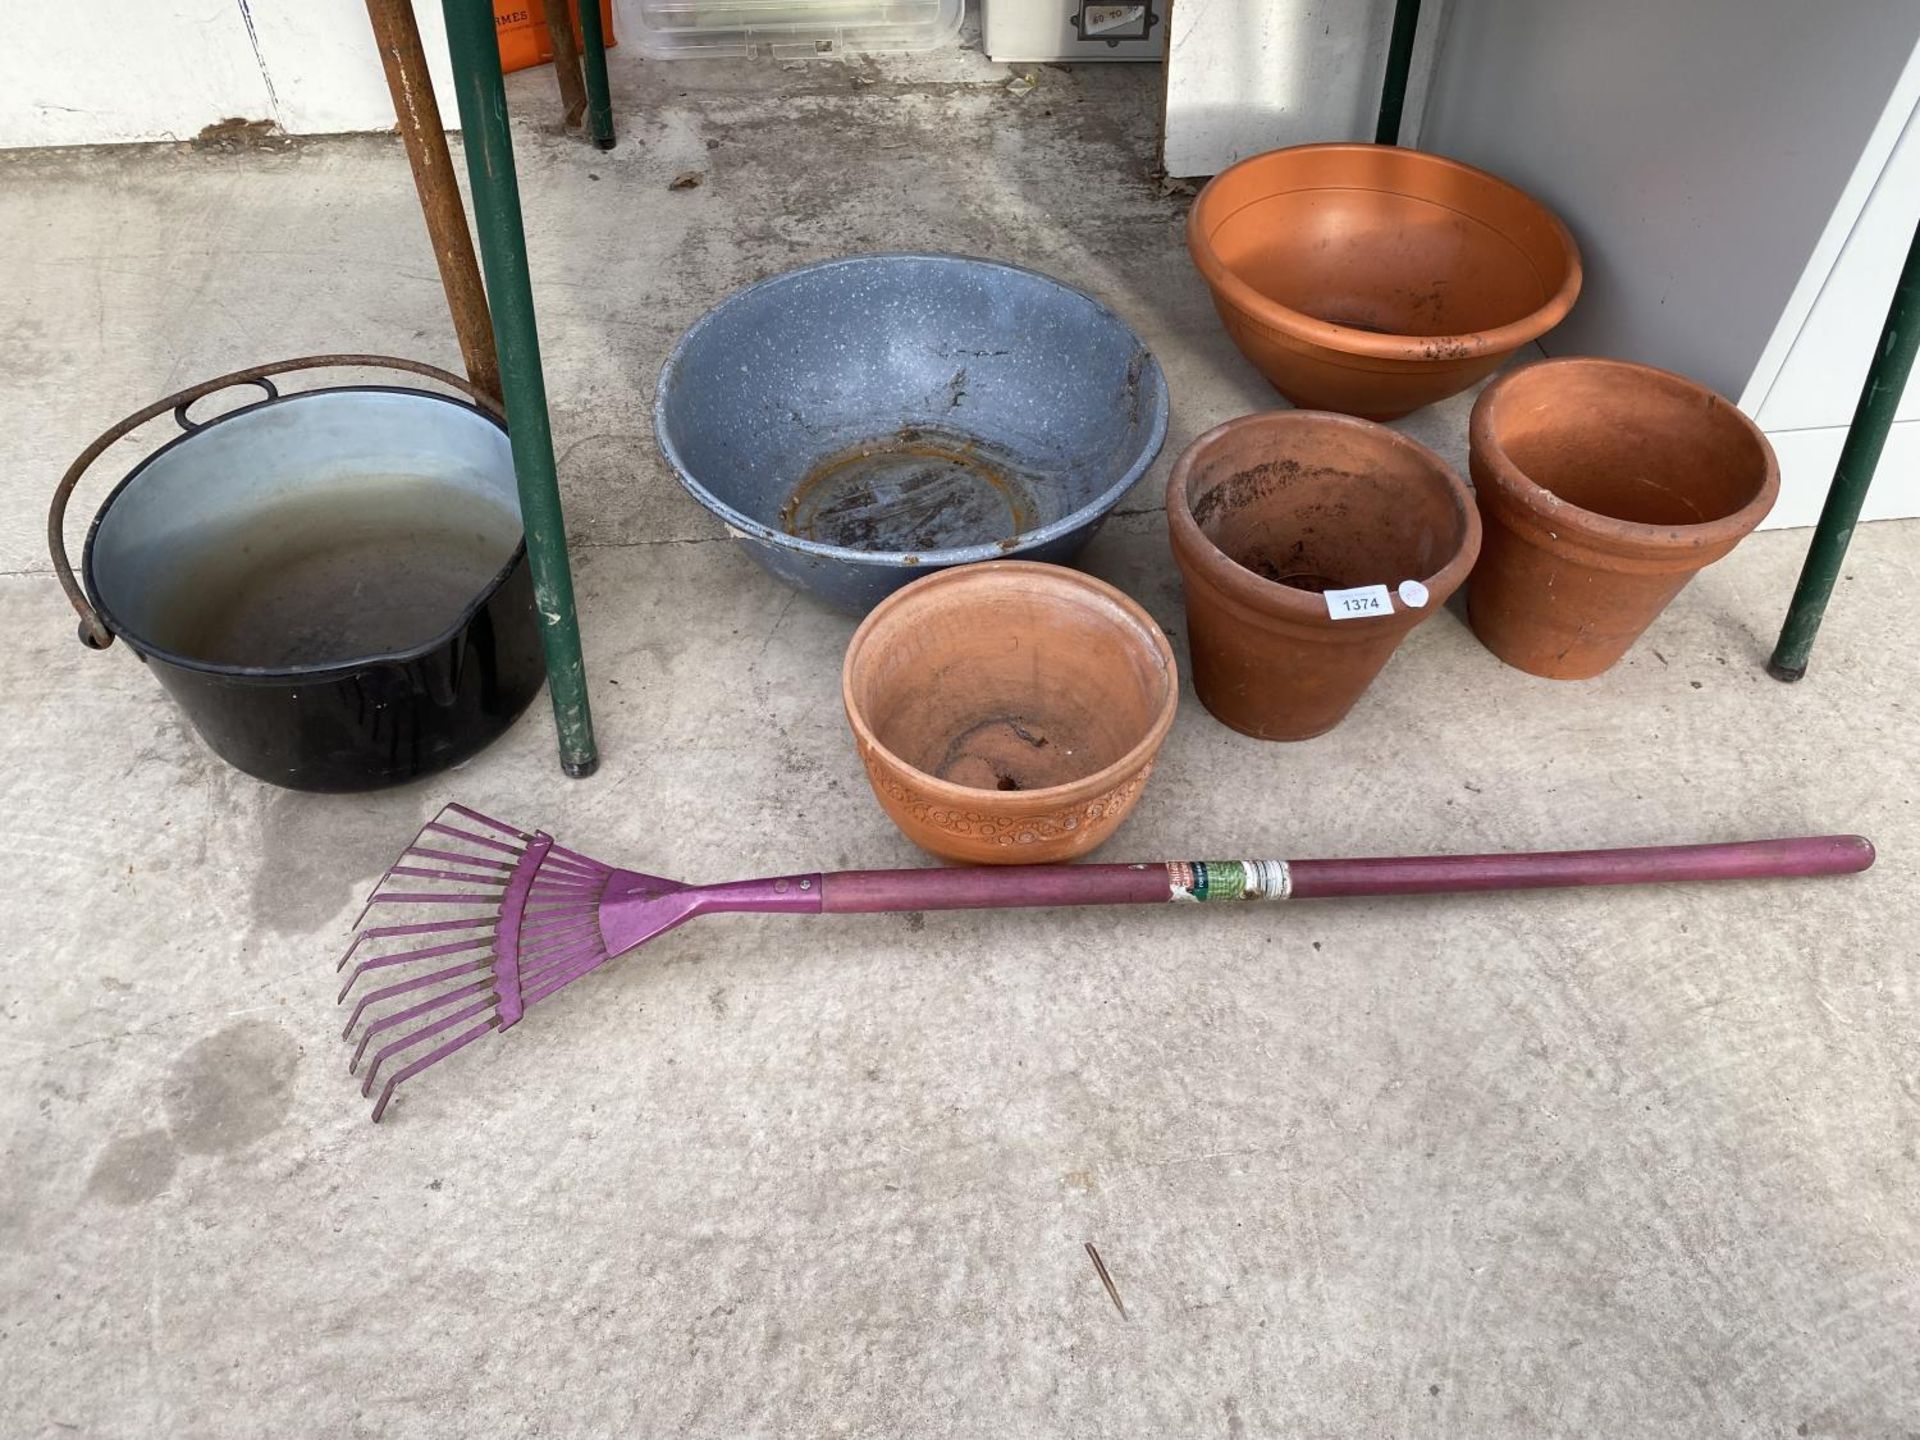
[[1002, 829]]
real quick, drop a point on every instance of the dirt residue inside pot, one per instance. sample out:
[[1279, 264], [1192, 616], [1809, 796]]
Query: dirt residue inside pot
[[917, 489], [1020, 752], [1250, 516], [1288, 573], [1241, 489]]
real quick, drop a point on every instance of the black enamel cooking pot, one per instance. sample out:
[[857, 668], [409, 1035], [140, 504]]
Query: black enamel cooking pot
[[331, 583]]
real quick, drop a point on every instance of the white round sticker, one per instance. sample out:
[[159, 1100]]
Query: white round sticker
[[1413, 594]]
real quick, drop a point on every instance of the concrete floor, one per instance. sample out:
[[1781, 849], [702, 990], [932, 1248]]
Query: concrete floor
[[1640, 1162]]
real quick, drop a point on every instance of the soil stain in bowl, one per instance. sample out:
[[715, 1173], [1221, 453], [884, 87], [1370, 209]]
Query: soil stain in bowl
[[1242, 489], [1294, 565], [1269, 569], [1027, 751], [917, 489], [377, 567]]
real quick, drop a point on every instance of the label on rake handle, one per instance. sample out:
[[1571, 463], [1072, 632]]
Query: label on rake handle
[[1358, 603], [1199, 881]]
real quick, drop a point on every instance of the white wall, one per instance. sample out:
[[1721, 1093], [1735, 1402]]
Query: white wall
[[1245, 76], [1732, 173], [91, 72], [1696, 150]]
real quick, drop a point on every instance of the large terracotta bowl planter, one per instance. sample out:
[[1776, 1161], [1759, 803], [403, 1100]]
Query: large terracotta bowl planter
[[1267, 514], [1371, 279], [1009, 713], [1605, 487]]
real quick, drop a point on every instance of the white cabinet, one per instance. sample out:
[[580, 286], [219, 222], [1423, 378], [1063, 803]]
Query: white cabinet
[[1743, 177]]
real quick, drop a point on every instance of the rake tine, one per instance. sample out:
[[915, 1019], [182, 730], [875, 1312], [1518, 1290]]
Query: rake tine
[[555, 964], [548, 917], [567, 889], [401, 957], [552, 982], [567, 860], [395, 932], [423, 873], [380, 896], [557, 931], [413, 1068], [562, 860], [542, 928], [437, 897], [564, 972], [421, 834], [560, 907], [454, 830], [407, 1042], [538, 923], [456, 856], [542, 958], [557, 928], [576, 874], [557, 917], [395, 898], [438, 816], [474, 815], [414, 1012], [403, 987], [552, 925], [548, 961], [568, 885]]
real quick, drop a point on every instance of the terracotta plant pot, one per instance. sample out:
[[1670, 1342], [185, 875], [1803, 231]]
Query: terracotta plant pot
[[1604, 486], [1269, 512], [1373, 280], [1009, 712]]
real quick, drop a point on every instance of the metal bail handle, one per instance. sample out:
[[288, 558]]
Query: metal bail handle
[[94, 633], [189, 424]]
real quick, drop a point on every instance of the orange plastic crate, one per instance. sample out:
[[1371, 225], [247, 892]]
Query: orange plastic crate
[[524, 40]]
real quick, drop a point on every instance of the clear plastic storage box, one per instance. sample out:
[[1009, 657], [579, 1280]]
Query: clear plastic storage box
[[793, 29]]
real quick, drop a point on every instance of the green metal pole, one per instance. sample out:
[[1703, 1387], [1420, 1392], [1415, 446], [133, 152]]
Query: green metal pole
[[1393, 94], [503, 253], [1859, 458], [599, 94]]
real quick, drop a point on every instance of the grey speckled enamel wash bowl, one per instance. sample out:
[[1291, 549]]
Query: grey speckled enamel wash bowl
[[864, 421]]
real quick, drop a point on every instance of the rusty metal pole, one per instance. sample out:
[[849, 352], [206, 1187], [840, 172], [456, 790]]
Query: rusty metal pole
[[418, 115], [566, 61]]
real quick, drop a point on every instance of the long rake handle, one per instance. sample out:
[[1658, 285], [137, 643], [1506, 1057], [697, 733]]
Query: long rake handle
[[867, 891], [1652, 865]]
